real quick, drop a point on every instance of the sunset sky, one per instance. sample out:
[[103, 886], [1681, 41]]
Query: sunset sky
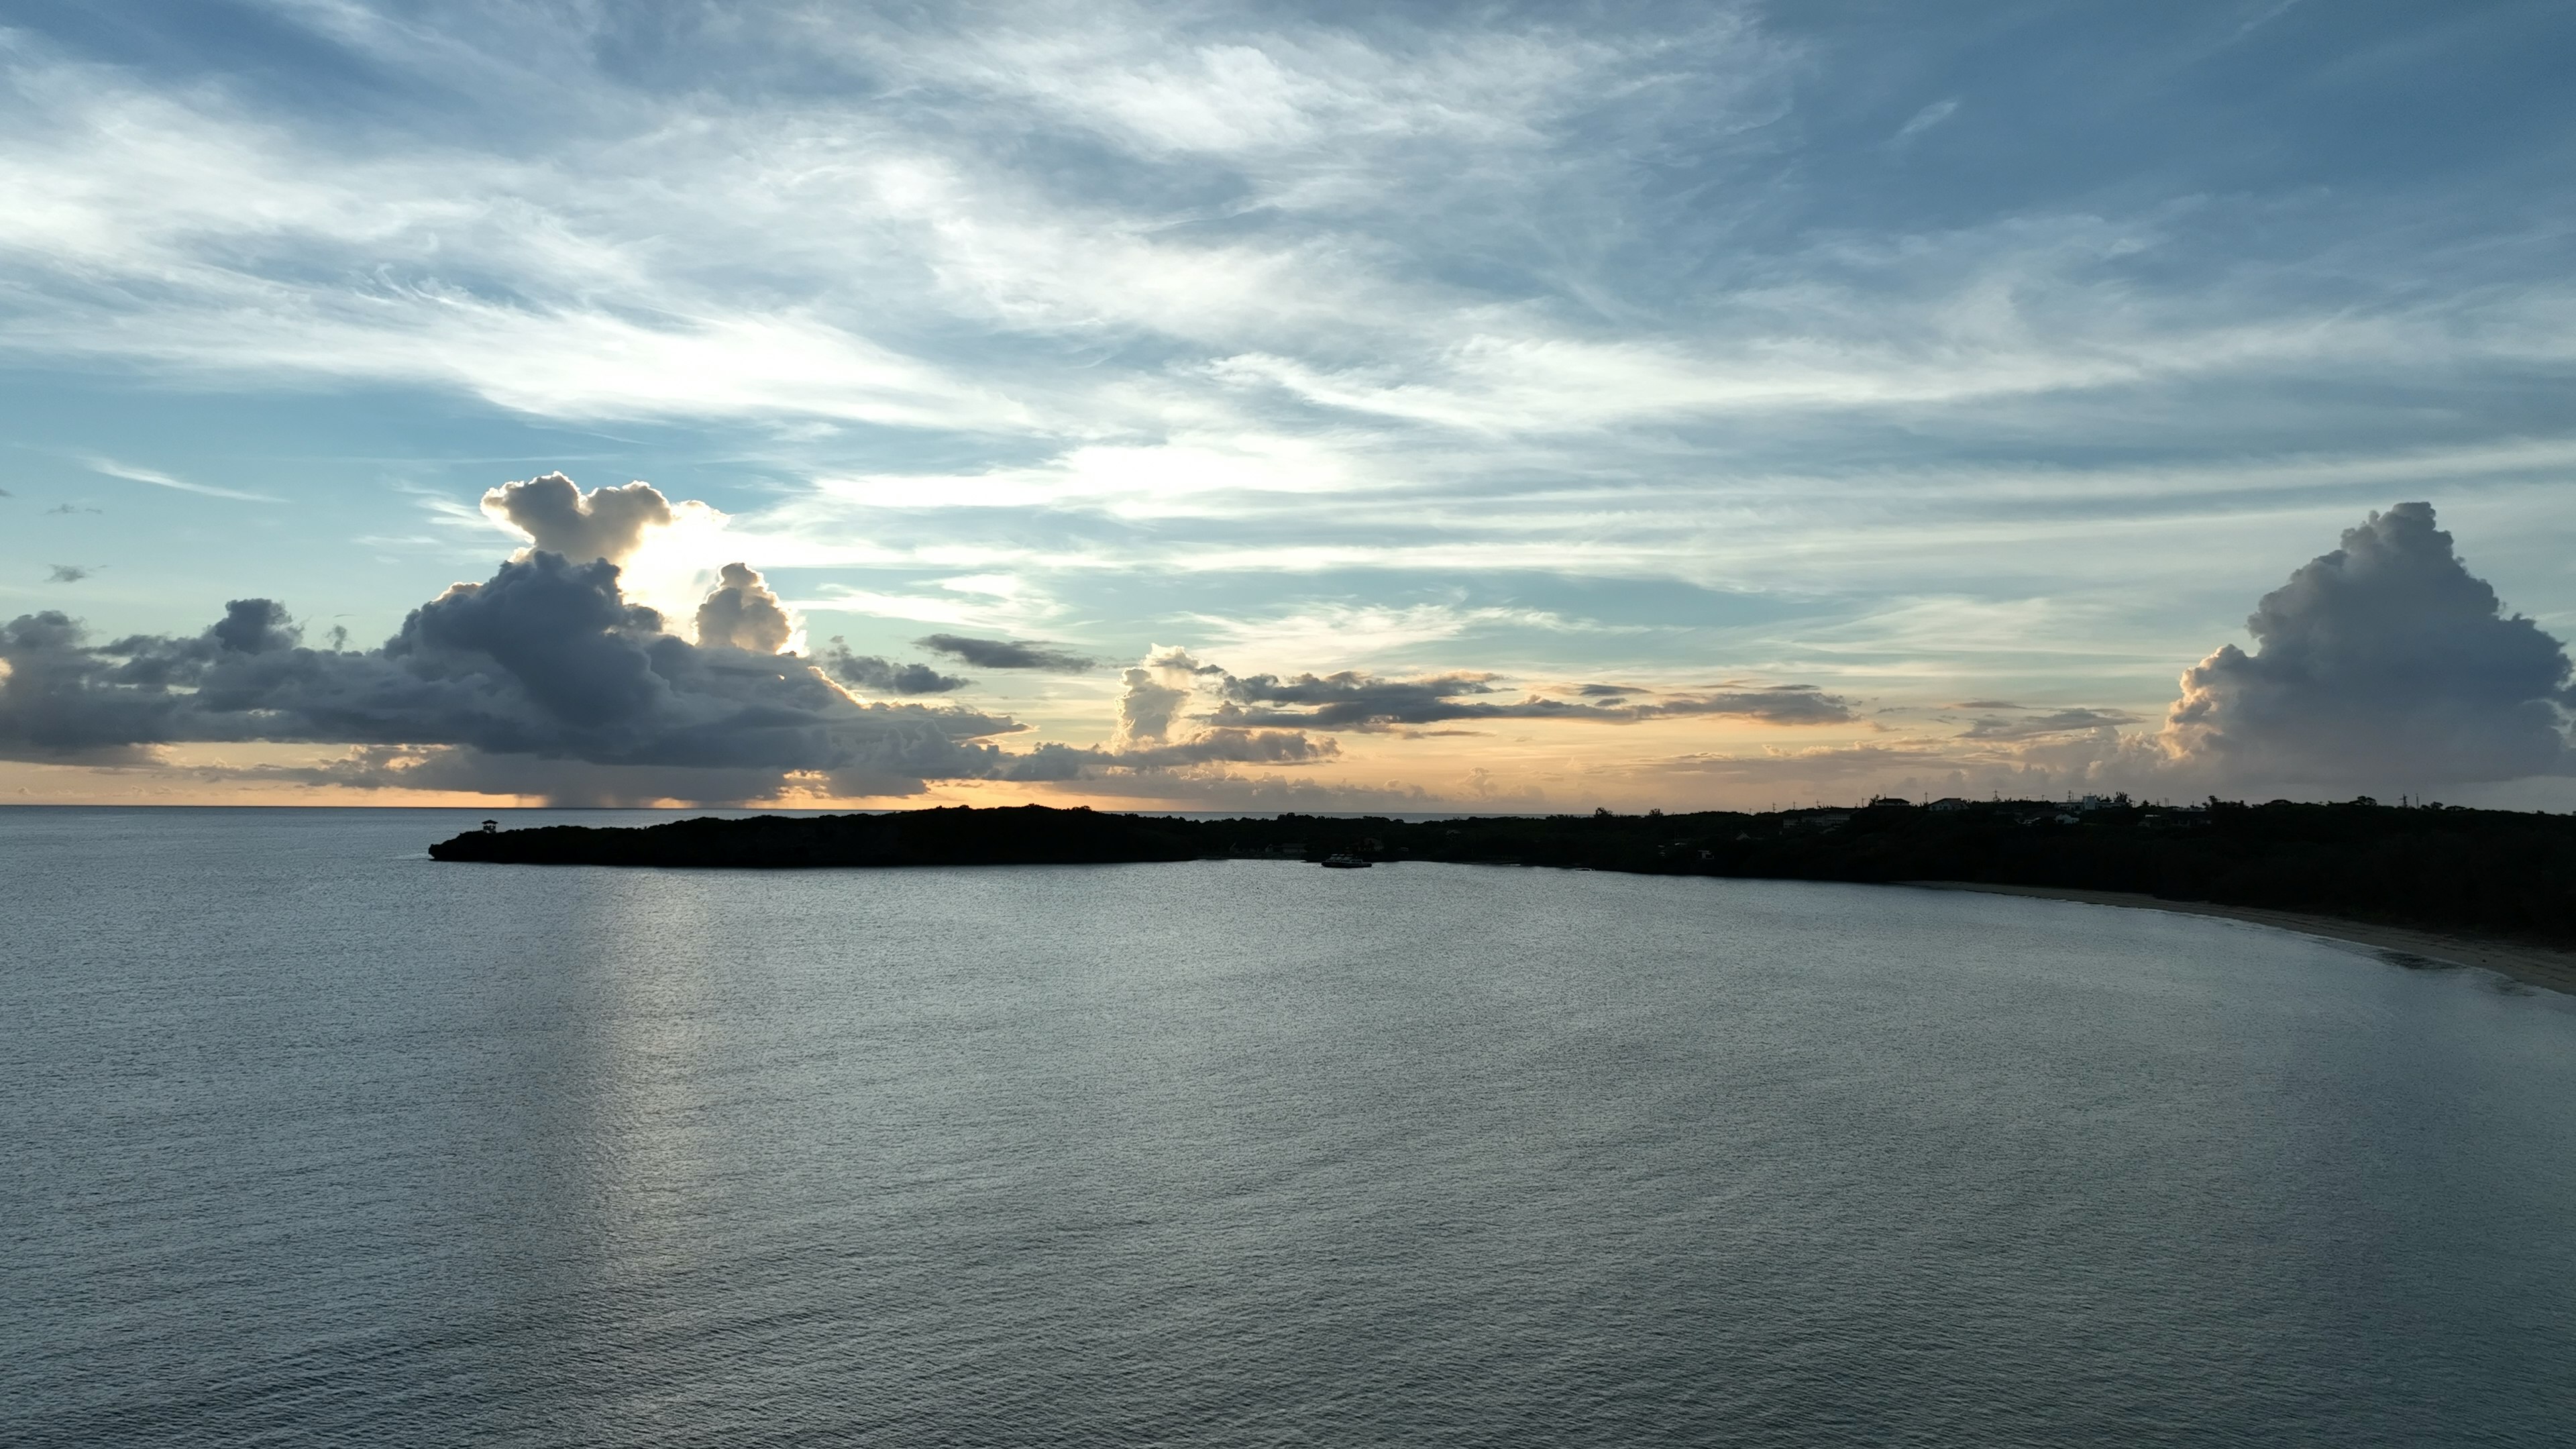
[[1285, 407]]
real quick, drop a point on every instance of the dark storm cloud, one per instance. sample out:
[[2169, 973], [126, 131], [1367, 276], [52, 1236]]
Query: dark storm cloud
[[546, 660], [1351, 700], [2383, 663], [2063, 721], [883, 676], [1009, 653], [559, 518], [741, 613]]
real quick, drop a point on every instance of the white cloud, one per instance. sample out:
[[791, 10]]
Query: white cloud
[[158, 479], [1926, 118], [854, 261], [1335, 636]]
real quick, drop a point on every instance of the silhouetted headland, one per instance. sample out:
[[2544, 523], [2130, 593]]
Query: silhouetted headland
[[2431, 867]]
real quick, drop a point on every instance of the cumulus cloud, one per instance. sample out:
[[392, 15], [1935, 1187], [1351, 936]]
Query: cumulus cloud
[[1353, 700], [1154, 695], [546, 661], [1157, 732], [741, 613], [882, 676], [67, 573], [2383, 663], [557, 517], [1009, 653]]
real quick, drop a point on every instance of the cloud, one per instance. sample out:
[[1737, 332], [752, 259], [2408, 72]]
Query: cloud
[[1353, 700], [2381, 664], [1829, 764], [1214, 747], [882, 676], [1022, 178], [560, 782], [2265, 16], [557, 517], [67, 574], [2382, 667], [158, 479], [1778, 704], [1926, 118], [1008, 653], [741, 613], [546, 661], [1154, 694], [1153, 716], [2063, 721]]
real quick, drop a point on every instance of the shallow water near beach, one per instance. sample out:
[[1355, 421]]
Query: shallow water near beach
[[312, 1141]]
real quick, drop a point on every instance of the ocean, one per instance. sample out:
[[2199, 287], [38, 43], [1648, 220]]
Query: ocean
[[312, 1141]]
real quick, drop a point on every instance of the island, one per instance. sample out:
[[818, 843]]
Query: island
[[2428, 867]]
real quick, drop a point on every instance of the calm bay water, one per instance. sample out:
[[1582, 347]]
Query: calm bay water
[[311, 1141]]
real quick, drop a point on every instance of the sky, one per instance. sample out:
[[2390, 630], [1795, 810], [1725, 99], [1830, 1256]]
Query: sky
[[1271, 407]]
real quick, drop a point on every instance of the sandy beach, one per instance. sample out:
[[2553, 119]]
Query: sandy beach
[[2533, 965]]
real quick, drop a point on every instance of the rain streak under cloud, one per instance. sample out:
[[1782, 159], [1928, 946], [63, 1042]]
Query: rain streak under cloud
[[1258, 407]]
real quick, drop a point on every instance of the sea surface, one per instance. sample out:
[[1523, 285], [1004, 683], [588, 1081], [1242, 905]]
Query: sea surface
[[307, 1140]]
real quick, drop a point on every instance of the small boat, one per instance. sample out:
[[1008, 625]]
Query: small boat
[[1343, 860]]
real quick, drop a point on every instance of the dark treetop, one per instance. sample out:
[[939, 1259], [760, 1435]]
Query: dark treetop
[[2432, 867]]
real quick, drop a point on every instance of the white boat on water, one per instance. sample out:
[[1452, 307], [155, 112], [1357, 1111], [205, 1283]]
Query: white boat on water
[[1344, 860]]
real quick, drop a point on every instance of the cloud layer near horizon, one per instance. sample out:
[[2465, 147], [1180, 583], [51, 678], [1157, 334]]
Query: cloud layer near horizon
[[2384, 662], [546, 660]]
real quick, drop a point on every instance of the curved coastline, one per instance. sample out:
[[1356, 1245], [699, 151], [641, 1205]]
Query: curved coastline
[[2529, 964], [2477, 888]]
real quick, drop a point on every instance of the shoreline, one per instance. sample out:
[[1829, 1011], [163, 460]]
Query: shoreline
[[2532, 965]]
